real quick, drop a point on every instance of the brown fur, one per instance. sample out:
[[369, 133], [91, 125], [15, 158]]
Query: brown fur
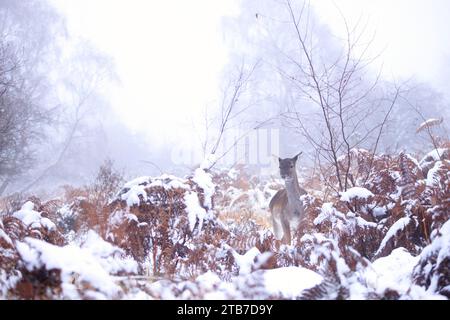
[[285, 206], [280, 198]]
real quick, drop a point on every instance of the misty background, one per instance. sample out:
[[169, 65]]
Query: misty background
[[131, 80]]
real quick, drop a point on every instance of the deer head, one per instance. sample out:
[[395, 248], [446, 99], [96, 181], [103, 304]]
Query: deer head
[[287, 167]]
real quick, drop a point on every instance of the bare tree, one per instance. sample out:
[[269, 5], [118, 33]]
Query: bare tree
[[87, 70], [20, 118], [106, 184], [340, 86], [27, 31], [232, 106]]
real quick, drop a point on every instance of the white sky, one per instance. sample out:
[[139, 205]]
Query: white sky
[[413, 35], [169, 54]]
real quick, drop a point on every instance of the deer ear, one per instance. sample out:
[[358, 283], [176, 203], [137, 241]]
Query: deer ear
[[296, 157]]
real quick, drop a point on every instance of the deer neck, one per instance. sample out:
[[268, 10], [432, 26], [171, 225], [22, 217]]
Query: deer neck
[[293, 190]]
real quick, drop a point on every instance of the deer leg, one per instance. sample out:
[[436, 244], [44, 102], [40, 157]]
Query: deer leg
[[277, 228], [287, 231]]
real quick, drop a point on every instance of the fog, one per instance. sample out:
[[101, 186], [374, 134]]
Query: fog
[[411, 36], [224, 149], [166, 67], [170, 55]]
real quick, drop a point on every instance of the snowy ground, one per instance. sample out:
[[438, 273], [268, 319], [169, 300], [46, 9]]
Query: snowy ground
[[161, 239]]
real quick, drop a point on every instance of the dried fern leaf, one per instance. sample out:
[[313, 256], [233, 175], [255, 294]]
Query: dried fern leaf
[[429, 124]]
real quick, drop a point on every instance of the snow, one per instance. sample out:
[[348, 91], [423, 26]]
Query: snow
[[432, 258], [168, 181], [325, 213], [117, 218], [392, 272], [90, 263], [194, 210], [107, 254], [359, 221], [132, 217], [65, 211], [441, 244], [204, 181], [419, 293], [120, 216], [165, 180], [246, 261], [33, 218], [132, 195], [233, 174], [208, 280], [329, 212], [47, 223], [414, 160], [400, 224], [7, 281], [28, 206], [29, 255], [356, 193], [68, 258], [27, 214], [429, 123], [286, 282], [395, 272], [379, 212], [135, 188], [162, 289], [432, 176], [290, 281], [138, 181], [433, 155], [364, 223]]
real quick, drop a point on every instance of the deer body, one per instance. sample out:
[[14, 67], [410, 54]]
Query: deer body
[[286, 207]]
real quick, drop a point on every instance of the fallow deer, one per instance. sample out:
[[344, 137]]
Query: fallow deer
[[286, 207]]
